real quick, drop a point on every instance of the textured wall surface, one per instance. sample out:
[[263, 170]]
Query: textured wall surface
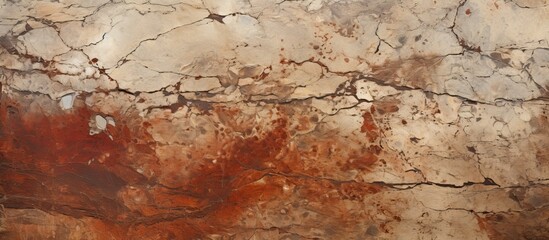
[[274, 119]]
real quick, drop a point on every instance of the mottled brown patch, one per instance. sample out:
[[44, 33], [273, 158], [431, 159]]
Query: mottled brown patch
[[387, 106], [467, 46], [361, 162], [415, 71], [509, 226], [355, 191], [304, 123], [369, 126], [540, 139]]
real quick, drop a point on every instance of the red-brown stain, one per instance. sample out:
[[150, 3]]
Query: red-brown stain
[[304, 123], [50, 162], [468, 11], [242, 164], [354, 191], [361, 162], [369, 126]]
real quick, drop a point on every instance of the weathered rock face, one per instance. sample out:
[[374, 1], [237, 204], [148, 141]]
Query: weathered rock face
[[262, 119]]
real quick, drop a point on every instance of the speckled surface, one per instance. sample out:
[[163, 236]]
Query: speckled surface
[[255, 119]]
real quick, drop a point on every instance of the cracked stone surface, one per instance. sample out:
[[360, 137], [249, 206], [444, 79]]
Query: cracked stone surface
[[260, 119]]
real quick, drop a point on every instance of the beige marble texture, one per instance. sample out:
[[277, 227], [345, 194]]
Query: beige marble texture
[[274, 119]]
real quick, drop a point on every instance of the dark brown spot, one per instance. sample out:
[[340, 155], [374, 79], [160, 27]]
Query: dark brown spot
[[216, 17]]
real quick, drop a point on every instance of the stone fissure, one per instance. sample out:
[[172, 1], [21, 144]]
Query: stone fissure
[[274, 119]]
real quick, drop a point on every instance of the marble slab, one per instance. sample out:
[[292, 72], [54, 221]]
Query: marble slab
[[274, 119]]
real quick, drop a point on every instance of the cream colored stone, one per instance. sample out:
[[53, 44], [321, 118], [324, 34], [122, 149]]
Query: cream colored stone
[[321, 87], [66, 102], [539, 67], [304, 74], [488, 22], [371, 91], [199, 85], [37, 83], [227, 7], [100, 122], [43, 42], [134, 77], [131, 29], [477, 77]]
